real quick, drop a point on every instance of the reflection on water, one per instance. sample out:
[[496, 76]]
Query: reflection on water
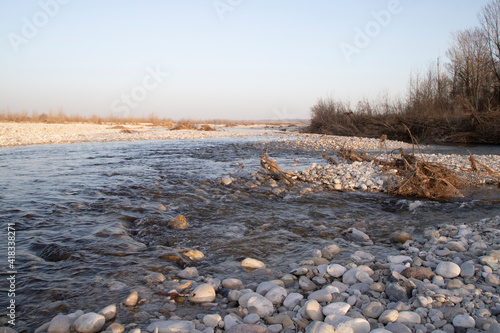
[[90, 214]]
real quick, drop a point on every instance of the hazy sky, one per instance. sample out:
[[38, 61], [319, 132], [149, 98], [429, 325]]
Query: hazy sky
[[233, 59]]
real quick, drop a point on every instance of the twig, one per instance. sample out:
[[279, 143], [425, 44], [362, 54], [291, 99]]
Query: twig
[[174, 294]]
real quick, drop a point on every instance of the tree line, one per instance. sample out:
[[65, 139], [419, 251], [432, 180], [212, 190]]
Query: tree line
[[458, 102]]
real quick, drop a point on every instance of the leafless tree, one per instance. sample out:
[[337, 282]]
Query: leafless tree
[[489, 17], [470, 67]]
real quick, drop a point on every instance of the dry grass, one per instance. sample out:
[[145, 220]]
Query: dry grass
[[206, 127], [60, 117], [185, 124]]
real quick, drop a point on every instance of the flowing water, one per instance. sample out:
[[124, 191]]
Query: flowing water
[[89, 214]]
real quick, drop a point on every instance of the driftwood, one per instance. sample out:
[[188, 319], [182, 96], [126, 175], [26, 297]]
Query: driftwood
[[480, 168], [422, 179], [174, 294], [271, 167]]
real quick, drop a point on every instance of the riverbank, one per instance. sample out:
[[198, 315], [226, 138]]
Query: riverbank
[[447, 282], [23, 134], [126, 193]]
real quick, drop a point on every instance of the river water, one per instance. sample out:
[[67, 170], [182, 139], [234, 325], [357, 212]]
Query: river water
[[87, 215]]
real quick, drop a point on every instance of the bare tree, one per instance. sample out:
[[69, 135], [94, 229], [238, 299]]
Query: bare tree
[[470, 67], [489, 17]]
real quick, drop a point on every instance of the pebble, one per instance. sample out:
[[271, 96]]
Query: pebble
[[320, 327], [204, 293], [373, 310], [464, 320], [448, 270], [232, 283], [188, 273], [400, 237], [109, 312], [59, 323], [251, 263], [260, 305], [361, 292], [132, 299], [212, 320], [179, 222], [178, 326], [89, 323], [314, 310]]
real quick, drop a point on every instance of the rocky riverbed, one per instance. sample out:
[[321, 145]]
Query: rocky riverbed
[[444, 279], [447, 281]]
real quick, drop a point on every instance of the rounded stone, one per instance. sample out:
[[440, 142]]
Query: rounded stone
[[260, 305], [89, 323], [329, 252], [388, 316], [116, 328], [194, 255], [467, 269], [292, 300], [314, 310], [373, 310], [155, 277], [456, 246], [251, 318], [335, 270], [306, 284], [338, 308], [409, 317], [188, 273], [179, 222], [250, 263], [178, 326], [59, 323], [419, 273], [319, 327], [400, 237], [204, 293], [276, 295], [109, 312], [322, 295], [232, 283], [245, 328], [132, 299], [448, 270], [212, 320], [464, 320]]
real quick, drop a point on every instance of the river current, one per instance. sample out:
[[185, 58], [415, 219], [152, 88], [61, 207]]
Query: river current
[[92, 214]]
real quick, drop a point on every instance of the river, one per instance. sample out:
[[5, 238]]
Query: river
[[90, 214]]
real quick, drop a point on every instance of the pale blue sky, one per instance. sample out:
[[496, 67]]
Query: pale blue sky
[[250, 59]]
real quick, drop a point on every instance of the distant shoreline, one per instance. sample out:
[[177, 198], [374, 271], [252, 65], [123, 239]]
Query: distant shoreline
[[14, 134]]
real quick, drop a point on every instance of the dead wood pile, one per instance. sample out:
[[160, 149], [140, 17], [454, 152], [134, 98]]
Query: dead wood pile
[[421, 179], [273, 169]]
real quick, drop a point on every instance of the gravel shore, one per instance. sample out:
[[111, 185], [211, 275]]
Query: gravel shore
[[22, 134], [449, 281], [445, 283]]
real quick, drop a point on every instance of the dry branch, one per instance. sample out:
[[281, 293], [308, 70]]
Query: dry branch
[[271, 167]]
